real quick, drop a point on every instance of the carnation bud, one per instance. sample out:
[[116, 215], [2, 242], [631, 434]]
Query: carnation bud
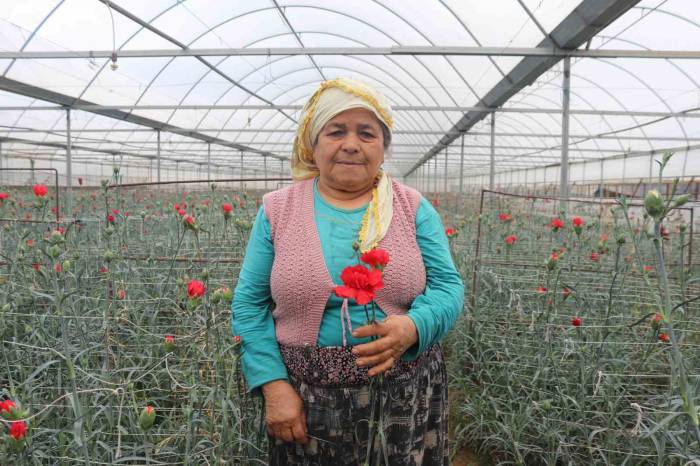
[[654, 204], [56, 237], [681, 200], [227, 294], [54, 251], [109, 230], [108, 256], [621, 239], [147, 417], [169, 343], [216, 297], [66, 265], [205, 274]]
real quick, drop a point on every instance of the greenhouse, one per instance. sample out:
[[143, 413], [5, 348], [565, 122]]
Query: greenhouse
[[509, 204]]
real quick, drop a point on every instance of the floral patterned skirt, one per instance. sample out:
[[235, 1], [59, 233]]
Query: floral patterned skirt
[[401, 420]]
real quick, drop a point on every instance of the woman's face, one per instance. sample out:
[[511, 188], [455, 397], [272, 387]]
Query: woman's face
[[350, 150]]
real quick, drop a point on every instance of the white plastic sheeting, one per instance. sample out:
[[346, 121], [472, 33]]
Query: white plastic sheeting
[[524, 140]]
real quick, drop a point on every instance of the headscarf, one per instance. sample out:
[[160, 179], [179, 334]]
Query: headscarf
[[331, 98]]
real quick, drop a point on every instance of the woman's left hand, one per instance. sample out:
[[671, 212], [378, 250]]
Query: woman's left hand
[[396, 334]]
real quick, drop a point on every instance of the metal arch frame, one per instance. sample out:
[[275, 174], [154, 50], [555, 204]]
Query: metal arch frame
[[530, 69], [404, 87], [662, 99], [296, 36], [257, 11]]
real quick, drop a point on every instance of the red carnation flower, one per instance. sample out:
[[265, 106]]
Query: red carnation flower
[[169, 339], [648, 268], [6, 405], [594, 256], [176, 207], [510, 240], [18, 430], [577, 221], [376, 258], [181, 212], [80, 180], [121, 294], [3, 196], [450, 232], [505, 217], [104, 269], [576, 321], [556, 224], [227, 208], [40, 190], [359, 283], [189, 220], [541, 289], [30, 243], [110, 218], [663, 337], [115, 211], [36, 266], [195, 289]]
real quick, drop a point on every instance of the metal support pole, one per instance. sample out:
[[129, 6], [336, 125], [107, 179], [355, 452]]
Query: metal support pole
[[446, 157], [435, 176], [2, 173], [209, 163], [158, 158], [600, 182], [265, 170], [461, 169], [566, 90], [492, 162], [69, 167], [242, 184]]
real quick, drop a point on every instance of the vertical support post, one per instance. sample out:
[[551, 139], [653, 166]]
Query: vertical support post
[[600, 182], [2, 173], [158, 159], [177, 176], [69, 168], [242, 185], [435, 175], [446, 157], [566, 92], [461, 169], [492, 160], [209, 163], [265, 170]]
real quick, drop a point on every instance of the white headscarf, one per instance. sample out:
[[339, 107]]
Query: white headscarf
[[331, 98]]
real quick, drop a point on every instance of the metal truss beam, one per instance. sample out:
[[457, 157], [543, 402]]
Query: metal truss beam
[[543, 50], [397, 132], [690, 113], [583, 23], [16, 87]]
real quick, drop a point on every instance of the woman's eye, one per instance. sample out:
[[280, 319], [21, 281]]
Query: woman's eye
[[367, 134], [335, 133]]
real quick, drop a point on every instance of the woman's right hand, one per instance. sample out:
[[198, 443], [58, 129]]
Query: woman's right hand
[[284, 412]]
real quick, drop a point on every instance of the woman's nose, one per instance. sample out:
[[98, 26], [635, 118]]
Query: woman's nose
[[351, 142]]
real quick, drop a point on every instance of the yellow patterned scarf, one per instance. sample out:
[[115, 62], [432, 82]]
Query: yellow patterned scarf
[[331, 98]]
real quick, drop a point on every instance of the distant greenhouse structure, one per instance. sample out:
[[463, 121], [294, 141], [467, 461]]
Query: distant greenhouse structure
[[550, 96]]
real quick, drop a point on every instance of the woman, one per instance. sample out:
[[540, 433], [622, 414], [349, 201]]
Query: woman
[[324, 397]]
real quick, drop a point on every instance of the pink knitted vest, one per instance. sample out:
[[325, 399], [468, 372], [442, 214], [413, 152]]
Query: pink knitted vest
[[300, 283]]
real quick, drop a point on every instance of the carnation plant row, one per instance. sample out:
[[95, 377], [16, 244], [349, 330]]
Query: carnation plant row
[[117, 346], [581, 344]]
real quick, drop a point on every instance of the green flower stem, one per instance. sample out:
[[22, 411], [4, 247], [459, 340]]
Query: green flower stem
[[679, 373]]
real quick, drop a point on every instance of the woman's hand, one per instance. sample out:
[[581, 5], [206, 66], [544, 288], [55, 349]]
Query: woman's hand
[[396, 334], [284, 412]]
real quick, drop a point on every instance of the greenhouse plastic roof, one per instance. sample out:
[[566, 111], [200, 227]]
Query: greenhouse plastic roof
[[221, 103]]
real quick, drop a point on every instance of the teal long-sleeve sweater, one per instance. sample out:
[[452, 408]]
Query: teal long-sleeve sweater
[[433, 312]]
